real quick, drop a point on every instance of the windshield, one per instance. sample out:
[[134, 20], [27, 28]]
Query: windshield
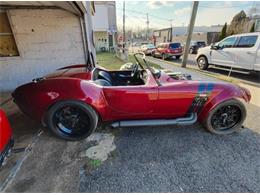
[[174, 45], [155, 72], [150, 46], [201, 43]]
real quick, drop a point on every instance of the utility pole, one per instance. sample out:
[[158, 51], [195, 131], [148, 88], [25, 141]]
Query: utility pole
[[195, 5], [171, 30], [147, 22], [124, 27]]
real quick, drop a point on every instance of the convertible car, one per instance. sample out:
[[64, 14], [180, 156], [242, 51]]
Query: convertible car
[[72, 101]]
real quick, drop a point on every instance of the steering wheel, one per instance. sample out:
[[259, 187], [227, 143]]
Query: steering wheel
[[134, 73]]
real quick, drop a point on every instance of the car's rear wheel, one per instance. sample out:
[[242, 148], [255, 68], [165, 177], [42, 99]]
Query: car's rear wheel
[[202, 63], [72, 120], [177, 57], [226, 118]]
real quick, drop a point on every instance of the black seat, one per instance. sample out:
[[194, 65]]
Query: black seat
[[106, 76], [102, 82]]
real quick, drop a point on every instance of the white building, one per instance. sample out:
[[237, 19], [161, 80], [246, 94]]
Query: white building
[[36, 38], [104, 23]]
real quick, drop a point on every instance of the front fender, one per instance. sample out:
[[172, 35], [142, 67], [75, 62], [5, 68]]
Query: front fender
[[225, 92]]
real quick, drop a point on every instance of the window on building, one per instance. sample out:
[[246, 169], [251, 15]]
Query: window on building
[[247, 41], [7, 43]]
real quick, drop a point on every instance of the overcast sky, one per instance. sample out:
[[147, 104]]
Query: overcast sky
[[160, 12]]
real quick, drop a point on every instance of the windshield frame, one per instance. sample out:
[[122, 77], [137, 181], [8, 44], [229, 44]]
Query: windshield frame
[[148, 66]]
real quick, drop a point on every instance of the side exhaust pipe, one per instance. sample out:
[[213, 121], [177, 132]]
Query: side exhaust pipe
[[157, 122]]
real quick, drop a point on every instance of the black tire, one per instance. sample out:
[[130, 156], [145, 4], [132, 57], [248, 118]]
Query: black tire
[[71, 120], [153, 54], [177, 57], [236, 122], [203, 63], [191, 51]]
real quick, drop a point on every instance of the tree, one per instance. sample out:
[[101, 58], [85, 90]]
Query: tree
[[223, 33], [252, 29]]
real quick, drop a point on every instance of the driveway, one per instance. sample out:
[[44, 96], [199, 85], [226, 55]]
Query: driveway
[[145, 159]]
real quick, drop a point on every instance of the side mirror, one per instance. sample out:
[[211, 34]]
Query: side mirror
[[215, 47]]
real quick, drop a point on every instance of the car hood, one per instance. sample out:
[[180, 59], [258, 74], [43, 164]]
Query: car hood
[[204, 48]]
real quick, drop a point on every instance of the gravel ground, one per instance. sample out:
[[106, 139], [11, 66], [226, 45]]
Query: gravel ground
[[179, 159]]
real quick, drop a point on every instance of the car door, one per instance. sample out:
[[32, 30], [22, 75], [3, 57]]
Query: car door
[[132, 100], [246, 52], [176, 98], [224, 54]]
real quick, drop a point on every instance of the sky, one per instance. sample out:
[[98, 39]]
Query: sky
[[161, 12]]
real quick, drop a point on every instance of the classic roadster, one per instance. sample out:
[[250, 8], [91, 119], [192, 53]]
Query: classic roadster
[[74, 100]]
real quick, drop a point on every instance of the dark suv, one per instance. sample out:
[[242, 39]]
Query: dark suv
[[195, 45]]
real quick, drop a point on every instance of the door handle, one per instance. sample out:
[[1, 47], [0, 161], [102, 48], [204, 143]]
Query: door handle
[[249, 52]]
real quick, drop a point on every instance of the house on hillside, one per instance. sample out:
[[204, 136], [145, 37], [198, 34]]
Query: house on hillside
[[104, 23], [38, 37]]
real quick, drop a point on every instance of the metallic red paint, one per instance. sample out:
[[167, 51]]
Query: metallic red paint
[[5, 136], [171, 99]]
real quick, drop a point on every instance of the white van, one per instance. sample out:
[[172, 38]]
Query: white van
[[241, 51]]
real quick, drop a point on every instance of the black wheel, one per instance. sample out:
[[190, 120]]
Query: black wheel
[[191, 51], [226, 118], [177, 57], [163, 56], [153, 54], [72, 120], [202, 63]]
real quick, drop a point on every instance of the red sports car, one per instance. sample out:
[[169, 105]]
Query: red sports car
[[6, 141], [72, 101]]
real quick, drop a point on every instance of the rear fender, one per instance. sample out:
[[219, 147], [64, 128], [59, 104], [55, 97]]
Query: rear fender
[[36, 98]]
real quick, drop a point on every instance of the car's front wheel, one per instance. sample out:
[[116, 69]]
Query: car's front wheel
[[202, 63], [72, 120], [226, 118], [177, 57]]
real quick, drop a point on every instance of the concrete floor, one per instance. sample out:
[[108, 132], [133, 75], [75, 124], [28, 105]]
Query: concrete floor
[[154, 159]]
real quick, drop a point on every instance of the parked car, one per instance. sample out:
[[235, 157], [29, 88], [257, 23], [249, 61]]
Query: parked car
[[240, 51], [147, 49], [75, 99], [166, 50], [195, 45], [6, 141]]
